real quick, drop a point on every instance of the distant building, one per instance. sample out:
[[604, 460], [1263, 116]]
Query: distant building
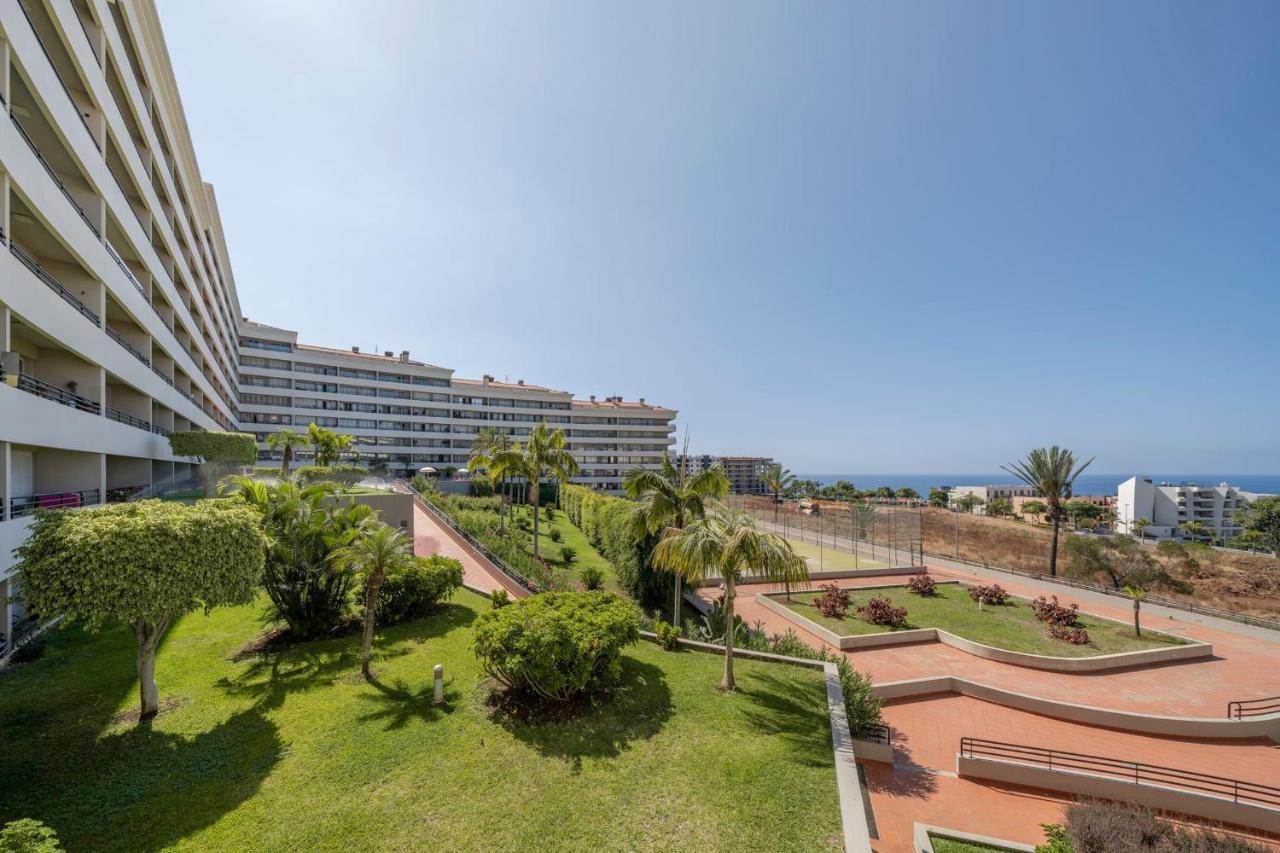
[[1168, 505], [746, 473], [990, 493], [1019, 502]]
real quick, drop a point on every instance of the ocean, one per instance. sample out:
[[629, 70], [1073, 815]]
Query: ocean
[[1087, 484]]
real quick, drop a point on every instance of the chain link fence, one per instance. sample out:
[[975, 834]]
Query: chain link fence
[[871, 533]]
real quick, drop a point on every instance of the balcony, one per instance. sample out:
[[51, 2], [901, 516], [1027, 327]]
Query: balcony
[[58, 395], [23, 505]]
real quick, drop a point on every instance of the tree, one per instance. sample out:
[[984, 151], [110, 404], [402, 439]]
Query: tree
[[542, 456], [938, 498], [669, 497], [1137, 594], [803, 489], [884, 492], [968, 503], [1140, 525], [728, 544], [286, 440], [1261, 518], [907, 493], [999, 507], [217, 451], [144, 564], [1033, 508], [1118, 559], [1082, 513], [329, 445], [841, 490], [1051, 472], [777, 480], [489, 442], [378, 549], [1196, 530]]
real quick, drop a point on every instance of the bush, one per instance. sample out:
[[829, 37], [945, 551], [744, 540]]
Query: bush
[[880, 611], [567, 553], [28, 836], [480, 487], [413, 591], [606, 521], [344, 475], [230, 448], [591, 577], [555, 535], [1050, 611], [1095, 826], [922, 584], [861, 703], [557, 645], [833, 603], [1068, 634], [549, 512], [667, 634], [499, 598], [994, 594]]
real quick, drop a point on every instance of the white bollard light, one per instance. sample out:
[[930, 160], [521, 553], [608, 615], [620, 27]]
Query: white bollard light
[[439, 698]]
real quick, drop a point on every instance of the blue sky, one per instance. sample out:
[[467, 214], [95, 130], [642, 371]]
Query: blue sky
[[915, 237]]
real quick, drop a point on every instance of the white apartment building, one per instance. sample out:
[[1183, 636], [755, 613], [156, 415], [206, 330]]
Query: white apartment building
[[117, 305], [1008, 491], [745, 473], [1168, 505], [409, 414]]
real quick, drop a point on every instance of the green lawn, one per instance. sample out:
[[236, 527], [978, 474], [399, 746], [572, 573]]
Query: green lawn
[[942, 844], [1011, 626], [827, 560], [294, 751], [586, 554]]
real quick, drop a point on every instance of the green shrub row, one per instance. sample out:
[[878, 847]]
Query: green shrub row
[[344, 475], [607, 523], [478, 516]]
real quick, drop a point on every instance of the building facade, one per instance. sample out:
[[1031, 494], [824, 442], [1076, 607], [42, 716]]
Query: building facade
[[1168, 506], [117, 304], [409, 414], [1008, 491], [745, 473]]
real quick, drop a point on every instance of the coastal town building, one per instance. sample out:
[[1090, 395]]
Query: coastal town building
[[989, 493], [745, 473], [1169, 506]]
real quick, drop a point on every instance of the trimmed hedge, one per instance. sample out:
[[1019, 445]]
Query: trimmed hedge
[[233, 448], [413, 591], [557, 645], [344, 475], [607, 523]]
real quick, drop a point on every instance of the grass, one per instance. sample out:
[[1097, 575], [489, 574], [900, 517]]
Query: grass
[[294, 751], [943, 844], [1012, 626], [827, 560], [585, 553]]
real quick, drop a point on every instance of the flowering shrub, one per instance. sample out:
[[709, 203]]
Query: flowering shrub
[[1074, 636], [667, 634], [880, 611], [833, 603], [1049, 610], [994, 594], [922, 584]]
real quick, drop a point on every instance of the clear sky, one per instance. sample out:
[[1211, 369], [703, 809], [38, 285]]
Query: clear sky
[[911, 237]]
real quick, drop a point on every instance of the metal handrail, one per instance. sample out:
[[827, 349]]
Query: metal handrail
[[23, 6], [497, 561], [115, 256], [1140, 773], [878, 732], [1241, 708], [56, 179], [128, 419], [41, 273], [158, 372], [43, 389], [28, 504], [115, 336], [159, 430]]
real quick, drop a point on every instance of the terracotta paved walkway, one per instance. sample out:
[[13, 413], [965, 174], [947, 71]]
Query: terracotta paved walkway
[[432, 537]]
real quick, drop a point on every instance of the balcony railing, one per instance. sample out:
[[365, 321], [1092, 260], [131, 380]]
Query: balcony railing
[[54, 68], [159, 430], [41, 273], [115, 336], [56, 179], [26, 505], [127, 419], [58, 395], [158, 372], [115, 256]]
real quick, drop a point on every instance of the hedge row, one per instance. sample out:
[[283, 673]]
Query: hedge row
[[607, 523], [234, 448]]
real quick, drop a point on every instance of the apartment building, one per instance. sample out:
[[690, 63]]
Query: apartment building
[[1167, 506], [745, 473], [117, 304], [988, 493], [409, 414]]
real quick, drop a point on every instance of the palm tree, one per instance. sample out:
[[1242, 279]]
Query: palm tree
[[286, 440], [1195, 529], [374, 552], [727, 543], [1138, 595], [777, 480], [329, 445], [1141, 525], [1051, 472], [488, 442], [543, 456], [668, 498]]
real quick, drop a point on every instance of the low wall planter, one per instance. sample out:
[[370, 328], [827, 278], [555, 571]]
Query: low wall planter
[[924, 843]]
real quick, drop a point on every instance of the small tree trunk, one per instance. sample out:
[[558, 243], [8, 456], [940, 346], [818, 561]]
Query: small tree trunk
[[675, 612], [370, 608], [728, 682], [1137, 628], [148, 637], [1053, 552], [284, 462], [533, 501]]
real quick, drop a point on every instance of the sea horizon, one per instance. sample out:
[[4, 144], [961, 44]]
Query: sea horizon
[[1087, 484]]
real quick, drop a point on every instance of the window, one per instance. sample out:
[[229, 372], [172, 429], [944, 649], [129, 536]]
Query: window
[[269, 363]]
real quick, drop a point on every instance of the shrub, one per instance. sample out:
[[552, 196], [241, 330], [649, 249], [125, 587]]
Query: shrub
[[557, 645], [567, 553], [994, 594], [499, 598], [592, 577], [861, 703], [922, 584], [1068, 634], [1055, 839], [28, 836], [606, 521], [344, 475], [555, 535], [1049, 610], [411, 592], [480, 487], [1094, 826], [880, 611], [549, 512], [667, 634], [833, 603], [229, 448]]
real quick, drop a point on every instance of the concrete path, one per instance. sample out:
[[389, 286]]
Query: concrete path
[[432, 537]]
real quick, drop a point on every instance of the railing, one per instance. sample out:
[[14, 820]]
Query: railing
[[56, 179], [115, 256], [127, 419], [500, 564], [58, 395], [23, 6], [1242, 708], [877, 732], [158, 372], [1136, 772], [32, 264], [159, 430], [115, 336], [27, 505]]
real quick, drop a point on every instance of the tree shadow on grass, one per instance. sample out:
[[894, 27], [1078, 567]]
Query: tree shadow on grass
[[635, 710], [792, 710], [397, 703]]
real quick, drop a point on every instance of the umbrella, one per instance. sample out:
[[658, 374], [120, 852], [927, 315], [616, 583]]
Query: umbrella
[[426, 469]]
